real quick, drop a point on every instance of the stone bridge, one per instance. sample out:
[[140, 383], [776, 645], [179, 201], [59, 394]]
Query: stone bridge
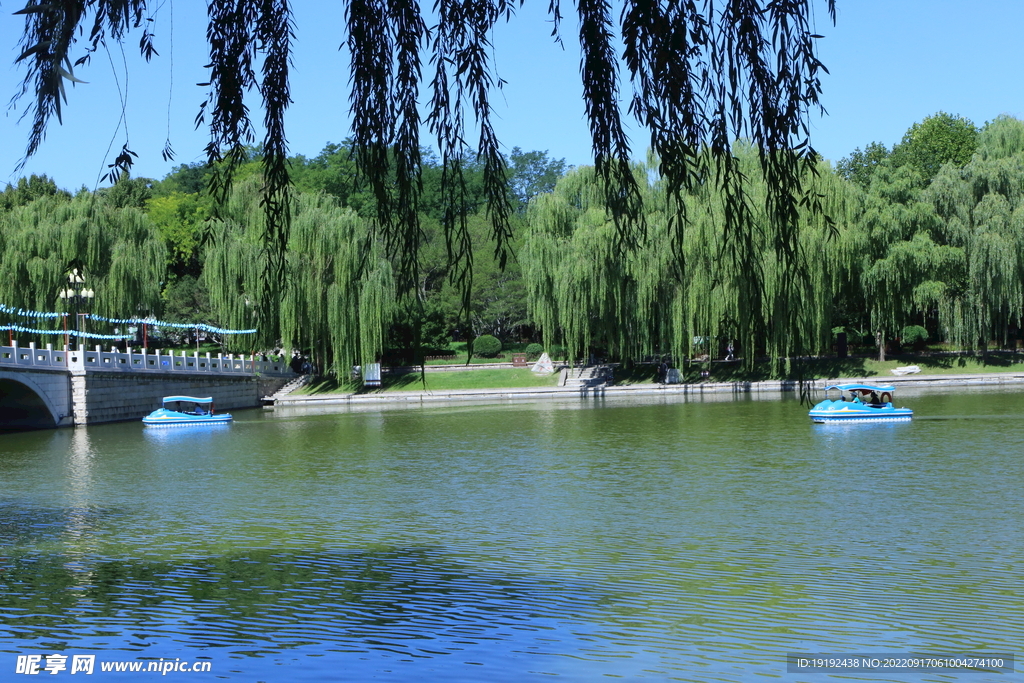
[[45, 388]]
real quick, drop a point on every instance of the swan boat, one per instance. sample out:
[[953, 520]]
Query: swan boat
[[185, 410], [866, 403]]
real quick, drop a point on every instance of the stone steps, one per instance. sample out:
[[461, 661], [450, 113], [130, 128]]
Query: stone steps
[[300, 381], [588, 376]]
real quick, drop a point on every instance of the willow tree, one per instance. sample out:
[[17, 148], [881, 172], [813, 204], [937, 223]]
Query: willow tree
[[578, 288], [711, 285], [946, 252], [340, 294], [701, 75], [982, 210], [908, 262], [119, 251]]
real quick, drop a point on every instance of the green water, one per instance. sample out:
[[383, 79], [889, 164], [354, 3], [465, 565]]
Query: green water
[[576, 540]]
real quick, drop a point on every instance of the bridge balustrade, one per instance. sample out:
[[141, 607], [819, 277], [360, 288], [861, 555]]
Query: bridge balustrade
[[32, 357], [141, 361]]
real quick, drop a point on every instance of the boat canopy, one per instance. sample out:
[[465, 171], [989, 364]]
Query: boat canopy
[[189, 399], [861, 387]]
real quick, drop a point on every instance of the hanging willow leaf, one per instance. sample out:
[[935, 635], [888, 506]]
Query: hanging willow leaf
[[120, 252], [340, 295], [703, 74], [583, 293]]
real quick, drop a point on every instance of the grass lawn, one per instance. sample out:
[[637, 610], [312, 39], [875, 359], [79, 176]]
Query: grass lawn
[[638, 374], [440, 381], [460, 359], [816, 368], [949, 365], [459, 349]]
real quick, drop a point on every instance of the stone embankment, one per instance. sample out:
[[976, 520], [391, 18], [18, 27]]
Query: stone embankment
[[592, 384]]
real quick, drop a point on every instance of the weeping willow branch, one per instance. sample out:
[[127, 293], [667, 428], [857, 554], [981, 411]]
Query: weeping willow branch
[[733, 288], [703, 74], [120, 252], [340, 293]]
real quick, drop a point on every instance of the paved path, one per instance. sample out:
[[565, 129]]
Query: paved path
[[694, 389]]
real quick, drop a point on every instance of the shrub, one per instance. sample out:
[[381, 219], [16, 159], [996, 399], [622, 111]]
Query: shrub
[[915, 335], [486, 346], [557, 352], [533, 351]]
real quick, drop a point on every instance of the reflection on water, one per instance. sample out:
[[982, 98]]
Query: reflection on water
[[672, 540], [184, 435]]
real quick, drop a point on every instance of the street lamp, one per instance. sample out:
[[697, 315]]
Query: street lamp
[[76, 292]]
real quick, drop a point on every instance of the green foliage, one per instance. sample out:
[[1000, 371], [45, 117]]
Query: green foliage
[[181, 220], [531, 174], [942, 254], [702, 75], [583, 291], [435, 328], [557, 352], [1001, 138], [949, 252], [860, 166], [186, 301], [497, 300], [487, 346], [914, 334], [28, 190], [982, 211], [118, 249], [533, 351], [340, 296], [184, 179], [426, 323], [128, 192], [937, 140], [334, 172]]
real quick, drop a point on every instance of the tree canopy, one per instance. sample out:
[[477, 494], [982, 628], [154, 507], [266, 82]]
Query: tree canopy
[[117, 248], [937, 140], [901, 257], [582, 292]]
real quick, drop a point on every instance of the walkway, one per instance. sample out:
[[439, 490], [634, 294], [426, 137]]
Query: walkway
[[590, 388]]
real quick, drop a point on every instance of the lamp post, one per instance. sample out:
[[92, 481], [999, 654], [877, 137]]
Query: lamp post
[[77, 293]]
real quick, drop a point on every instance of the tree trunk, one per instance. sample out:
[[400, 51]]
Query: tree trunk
[[880, 339]]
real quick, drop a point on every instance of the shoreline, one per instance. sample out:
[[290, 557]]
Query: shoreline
[[691, 389]]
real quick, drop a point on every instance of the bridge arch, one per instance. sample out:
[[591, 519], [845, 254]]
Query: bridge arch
[[24, 404]]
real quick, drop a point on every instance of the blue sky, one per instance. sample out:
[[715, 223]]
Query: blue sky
[[892, 63]]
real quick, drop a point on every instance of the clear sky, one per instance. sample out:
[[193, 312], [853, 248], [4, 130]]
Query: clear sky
[[892, 63]]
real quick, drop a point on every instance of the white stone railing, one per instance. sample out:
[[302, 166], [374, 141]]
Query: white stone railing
[[82, 359], [30, 356]]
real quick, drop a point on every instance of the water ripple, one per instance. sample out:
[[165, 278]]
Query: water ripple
[[671, 541]]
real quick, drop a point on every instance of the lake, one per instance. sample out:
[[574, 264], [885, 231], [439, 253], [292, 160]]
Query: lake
[[575, 540]]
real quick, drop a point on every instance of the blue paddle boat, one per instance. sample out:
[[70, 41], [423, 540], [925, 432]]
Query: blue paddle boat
[[185, 410], [860, 403]]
